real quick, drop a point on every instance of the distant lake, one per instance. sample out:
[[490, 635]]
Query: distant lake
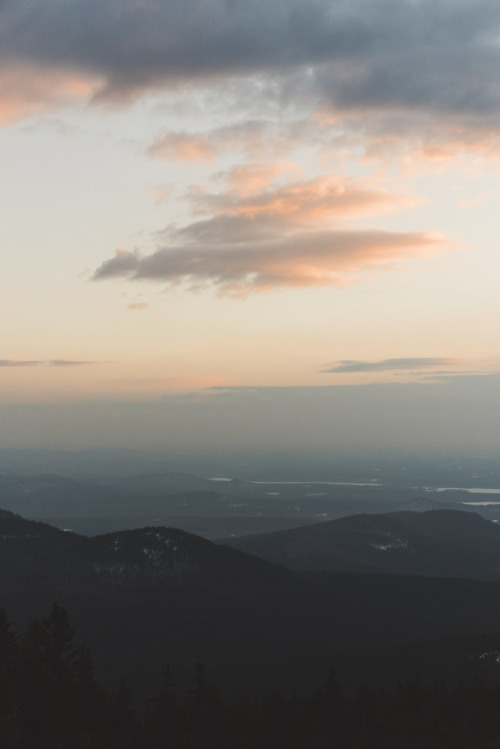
[[459, 489], [480, 504], [373, 482], [303, 483]]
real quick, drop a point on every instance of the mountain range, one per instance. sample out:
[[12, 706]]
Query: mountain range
[[157, 597], [214, 508]]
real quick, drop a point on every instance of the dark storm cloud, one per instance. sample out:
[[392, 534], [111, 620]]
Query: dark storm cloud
[[134, 44], [368, 54], [389, 365]]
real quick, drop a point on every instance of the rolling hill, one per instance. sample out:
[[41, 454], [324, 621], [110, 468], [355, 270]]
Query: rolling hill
[[154, 597], [439, 543]]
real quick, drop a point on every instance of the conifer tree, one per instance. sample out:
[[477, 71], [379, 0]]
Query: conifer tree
[[60, 649], [204, 710]]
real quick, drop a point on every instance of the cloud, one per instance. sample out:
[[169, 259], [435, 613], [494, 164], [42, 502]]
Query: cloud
[[360, 58], [448, 376], [411, 136], [161, 194], [262, 235], [18, 363], [50, 363], [250, 179], [137, 306], [182, 147], [254, 138], [391, 365], [70, 363], [236, 257], [124, 262], [319, 200], [139, 45], [26, 90]]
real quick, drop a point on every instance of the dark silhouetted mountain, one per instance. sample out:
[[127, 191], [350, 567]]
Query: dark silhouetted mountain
[[152, 597], [32, 550], [441, 543]]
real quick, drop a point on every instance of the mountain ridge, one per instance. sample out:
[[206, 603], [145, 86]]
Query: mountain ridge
[[142, 604], [440, 543]]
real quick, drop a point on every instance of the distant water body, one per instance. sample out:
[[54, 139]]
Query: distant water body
[[480, 504], [302, 483], [475, 490], [374, 482]]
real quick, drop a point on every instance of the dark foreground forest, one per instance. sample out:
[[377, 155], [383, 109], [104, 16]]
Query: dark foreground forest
[[50, 699]]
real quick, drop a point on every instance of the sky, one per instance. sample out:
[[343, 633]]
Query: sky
[[234, 224]]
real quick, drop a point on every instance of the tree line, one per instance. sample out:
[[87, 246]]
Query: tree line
[[51, 699]]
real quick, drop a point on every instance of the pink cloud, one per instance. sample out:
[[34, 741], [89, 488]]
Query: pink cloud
[[137, 306], [244, 261], [321, 200], [182, 147], [250, 179], [262, 235], [431, 63], [160, 194], [26, 91], [412, 139], [254, 138]]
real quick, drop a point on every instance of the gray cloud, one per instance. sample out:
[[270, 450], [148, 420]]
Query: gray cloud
[[18, 363], [136, 44], [121, 264], [70, 363], [265, 236], [255, 138], [447, 376], [388, 365], [237, 255], [355, 54], [51, 363]]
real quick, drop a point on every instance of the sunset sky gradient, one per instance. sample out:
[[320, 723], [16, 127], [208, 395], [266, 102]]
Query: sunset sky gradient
[[228, 223]]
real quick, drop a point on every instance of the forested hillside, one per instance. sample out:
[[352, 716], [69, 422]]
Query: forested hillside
[[49, 697]]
